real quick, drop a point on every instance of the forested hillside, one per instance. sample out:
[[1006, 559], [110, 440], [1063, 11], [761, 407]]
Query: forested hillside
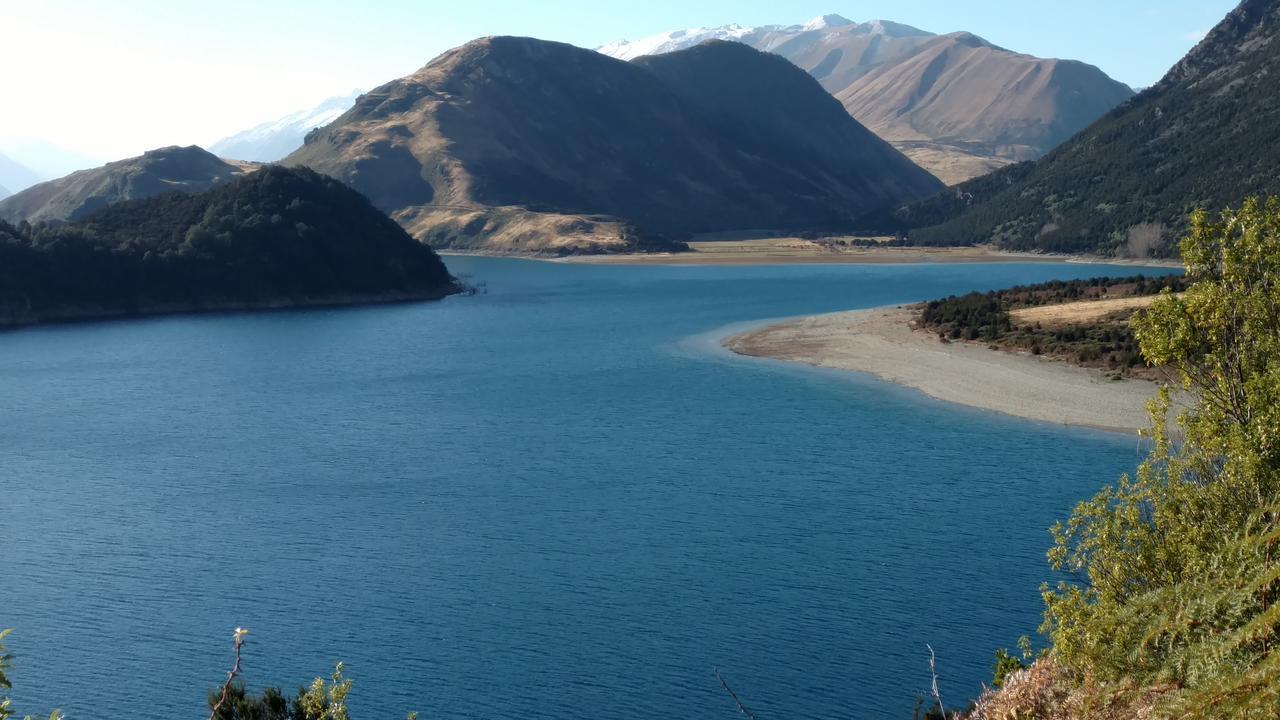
[[1207, 136], [276, 238], [1168, 604], [155, 172], [1103, 339]]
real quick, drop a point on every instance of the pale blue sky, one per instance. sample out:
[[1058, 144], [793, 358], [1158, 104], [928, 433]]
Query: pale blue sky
[[114, 77]]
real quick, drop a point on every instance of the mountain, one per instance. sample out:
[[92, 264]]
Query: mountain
[[15, 175], [1206, 136], [275, 238], [520, 145], [156, 171], [956, 104], [671, 42], [45, 159], [4, 193], [272, 141]]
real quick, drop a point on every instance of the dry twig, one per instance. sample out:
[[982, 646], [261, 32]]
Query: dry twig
[[741, 708], [238, 638], [933, 670]]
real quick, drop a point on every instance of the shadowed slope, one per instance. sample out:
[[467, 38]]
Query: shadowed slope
[[1208, 135], [514, 144], [276, 238], [79, 194], [954, 103]]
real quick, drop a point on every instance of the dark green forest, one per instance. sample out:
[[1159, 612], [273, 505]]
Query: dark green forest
[[1108, 343], [276, 238]]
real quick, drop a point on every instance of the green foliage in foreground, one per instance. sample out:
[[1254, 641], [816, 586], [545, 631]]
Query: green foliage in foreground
[[6, 661], [322, 700], [1008, 663], [1178, 569]]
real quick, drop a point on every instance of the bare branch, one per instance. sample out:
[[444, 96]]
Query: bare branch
[[933, 670], [231, 674], [741, 708]]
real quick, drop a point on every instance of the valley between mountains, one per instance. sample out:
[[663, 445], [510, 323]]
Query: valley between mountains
[[533, 477], [519, 146]]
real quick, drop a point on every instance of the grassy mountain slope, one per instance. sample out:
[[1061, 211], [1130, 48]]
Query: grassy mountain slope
[[973, 107], [81, 193], [956, 104], [521, 145], [15, 175], [1206, 136]]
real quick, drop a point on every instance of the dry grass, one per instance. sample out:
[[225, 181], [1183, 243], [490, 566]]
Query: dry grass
[[1078, 313], [1046, 691], [949, 164], [513, 230], [792, 250]]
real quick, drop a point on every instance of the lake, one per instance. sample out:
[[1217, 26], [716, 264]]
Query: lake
[[558, 499]]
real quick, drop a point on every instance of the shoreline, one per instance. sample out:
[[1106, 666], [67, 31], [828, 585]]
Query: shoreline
[[83, 315], [787, 252], [883, 342]]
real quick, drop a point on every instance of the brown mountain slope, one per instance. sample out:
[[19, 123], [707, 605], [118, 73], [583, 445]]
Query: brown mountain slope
[[838, 53], [74, 197], [1206, 136], [956, 104], [521, 145], [961, 96]]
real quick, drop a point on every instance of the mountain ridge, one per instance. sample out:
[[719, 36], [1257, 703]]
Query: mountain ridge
[[524, 145], [15, 175], [274, 139], [1202, 137], [83, 192], [971, 124]]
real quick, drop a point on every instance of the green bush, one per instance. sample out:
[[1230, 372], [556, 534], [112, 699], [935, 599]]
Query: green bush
[[1176, 568]]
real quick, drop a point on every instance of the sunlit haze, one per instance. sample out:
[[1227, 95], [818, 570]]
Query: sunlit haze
[[111, 79]]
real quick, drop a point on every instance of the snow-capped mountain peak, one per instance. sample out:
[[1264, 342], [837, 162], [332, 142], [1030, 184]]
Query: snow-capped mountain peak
[[764, 37], [322, 114], [890, 29], [274, 139], [672, 41], [826, 22]]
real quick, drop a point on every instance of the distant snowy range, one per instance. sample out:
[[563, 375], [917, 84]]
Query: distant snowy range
[[955, 104], [680, 39], [275, 139]]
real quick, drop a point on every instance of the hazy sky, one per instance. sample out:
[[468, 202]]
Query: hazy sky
[[111, 78]]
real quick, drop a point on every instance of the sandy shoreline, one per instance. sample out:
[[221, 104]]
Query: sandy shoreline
[[727, 251], [882, 342], [795, 251]]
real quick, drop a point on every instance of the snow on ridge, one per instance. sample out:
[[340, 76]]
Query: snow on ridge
[[272, 140], [765, 36], [673, 41], [323, 114], [826, 22]]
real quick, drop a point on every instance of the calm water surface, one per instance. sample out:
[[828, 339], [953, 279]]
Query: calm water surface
[[556, 500]]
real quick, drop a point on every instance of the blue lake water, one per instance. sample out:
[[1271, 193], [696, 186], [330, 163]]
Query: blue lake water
[[555, 500]]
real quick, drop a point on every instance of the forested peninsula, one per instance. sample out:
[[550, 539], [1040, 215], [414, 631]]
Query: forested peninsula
[[277, 238]]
